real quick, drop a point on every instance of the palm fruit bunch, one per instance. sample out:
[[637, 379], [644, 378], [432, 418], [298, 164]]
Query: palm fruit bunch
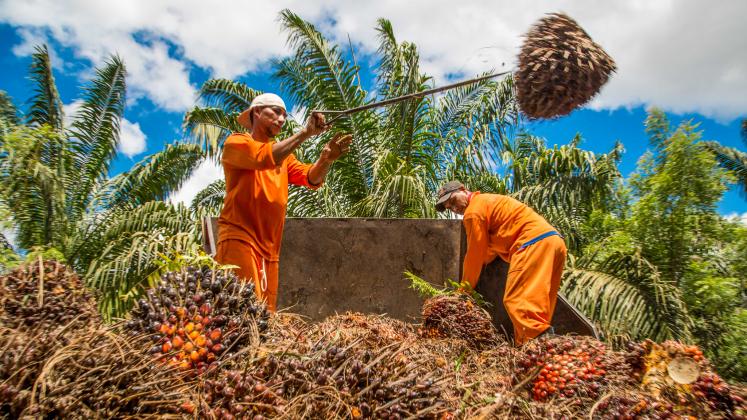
[[560, 68], [633, 406], [457, 315], [45, 294], [566, 367], [97, 374], [328, 379], [707, 396], [197, 315]]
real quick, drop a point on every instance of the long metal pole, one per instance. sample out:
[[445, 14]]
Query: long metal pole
[[390, 101]]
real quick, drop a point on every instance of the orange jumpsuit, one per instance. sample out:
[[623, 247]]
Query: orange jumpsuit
[[498, 226], [250, 227]]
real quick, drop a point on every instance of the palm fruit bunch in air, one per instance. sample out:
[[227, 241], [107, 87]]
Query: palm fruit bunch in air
[[560, 68], [197, 315], [568, 367], [45, 294], [708, 395], [362, 382], [457, 315]]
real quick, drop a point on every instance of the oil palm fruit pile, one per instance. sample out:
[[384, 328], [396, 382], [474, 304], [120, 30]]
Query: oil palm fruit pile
[[704, 395], [45, 292], [333, 376], [457, 315], [565, 368], [560, 68], [57, 359], [195, 316]]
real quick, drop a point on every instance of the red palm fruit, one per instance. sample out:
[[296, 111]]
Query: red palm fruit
[[210, 357], [166, 347], [164, 329], [184, 365], [195, 356], [198, 327], [177, 342], [188, 347], [217, 348], [206, 320], [181, 312], [197, 318], [215, 334], [189, 327], [193, 335], [203, 353], [206, 309], [200, 341]]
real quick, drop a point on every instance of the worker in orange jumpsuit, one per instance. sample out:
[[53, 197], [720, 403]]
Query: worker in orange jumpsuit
[[500, 226], [258, 170]]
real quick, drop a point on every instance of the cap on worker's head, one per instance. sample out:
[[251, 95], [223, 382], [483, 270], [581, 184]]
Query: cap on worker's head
[[265, 99], [445, 192]]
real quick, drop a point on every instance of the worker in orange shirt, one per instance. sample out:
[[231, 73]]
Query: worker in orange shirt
[[500, 226], [258, 170]]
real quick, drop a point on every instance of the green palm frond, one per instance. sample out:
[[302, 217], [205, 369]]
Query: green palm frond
[[732, 160], [232, 97], [209, 128], [210, 198], [96, 131], [152, 179], [45, 107], [94, 232], [8, 110], [32, 175], [123, 270], [626, 295]]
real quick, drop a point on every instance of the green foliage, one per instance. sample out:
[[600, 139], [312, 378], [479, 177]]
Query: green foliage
[[55, 183], [426, 290]]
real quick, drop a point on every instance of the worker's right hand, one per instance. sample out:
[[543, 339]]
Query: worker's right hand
[[316, 124]]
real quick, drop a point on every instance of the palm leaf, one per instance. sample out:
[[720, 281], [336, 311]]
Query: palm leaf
[[232, 97], [152, 179], [732, 160], [96, 131], [45, 107], [210, 199], [209, 127]]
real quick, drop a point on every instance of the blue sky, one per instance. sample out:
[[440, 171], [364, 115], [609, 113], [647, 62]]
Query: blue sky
[[171, 52]]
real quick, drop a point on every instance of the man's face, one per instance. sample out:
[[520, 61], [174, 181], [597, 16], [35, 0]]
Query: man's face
[[458, 202], [270, 119]]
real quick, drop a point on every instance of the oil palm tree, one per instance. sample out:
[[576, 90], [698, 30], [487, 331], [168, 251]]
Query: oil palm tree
[[733, 159], [54, 181]]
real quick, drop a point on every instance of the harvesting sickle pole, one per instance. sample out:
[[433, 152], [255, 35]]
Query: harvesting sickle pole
[[559, 69], [340, 114]]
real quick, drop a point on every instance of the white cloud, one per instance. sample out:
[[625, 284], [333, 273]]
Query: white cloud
[[206, 173], [684, 56], [131, 138], [736, 217]]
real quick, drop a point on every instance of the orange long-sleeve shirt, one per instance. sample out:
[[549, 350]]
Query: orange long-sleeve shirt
[[496, 226], [257, 193]]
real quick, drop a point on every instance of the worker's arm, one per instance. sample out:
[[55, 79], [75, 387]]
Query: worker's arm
[[332, 151], [476, 228], [316, 124]]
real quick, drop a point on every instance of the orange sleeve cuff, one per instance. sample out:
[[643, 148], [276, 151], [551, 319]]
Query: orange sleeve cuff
[[298, 173]]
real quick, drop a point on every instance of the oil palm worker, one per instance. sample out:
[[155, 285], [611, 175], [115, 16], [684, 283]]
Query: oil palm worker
[[500, 226], [258, 170]]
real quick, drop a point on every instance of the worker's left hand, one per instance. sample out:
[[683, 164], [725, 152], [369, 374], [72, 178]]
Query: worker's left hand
[[338, 146]]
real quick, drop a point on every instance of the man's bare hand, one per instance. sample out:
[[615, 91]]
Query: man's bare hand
[[337, 147], [316, 124]]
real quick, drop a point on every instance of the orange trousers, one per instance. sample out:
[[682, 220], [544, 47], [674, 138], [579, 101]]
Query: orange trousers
[[532, 287], [252, 267]]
